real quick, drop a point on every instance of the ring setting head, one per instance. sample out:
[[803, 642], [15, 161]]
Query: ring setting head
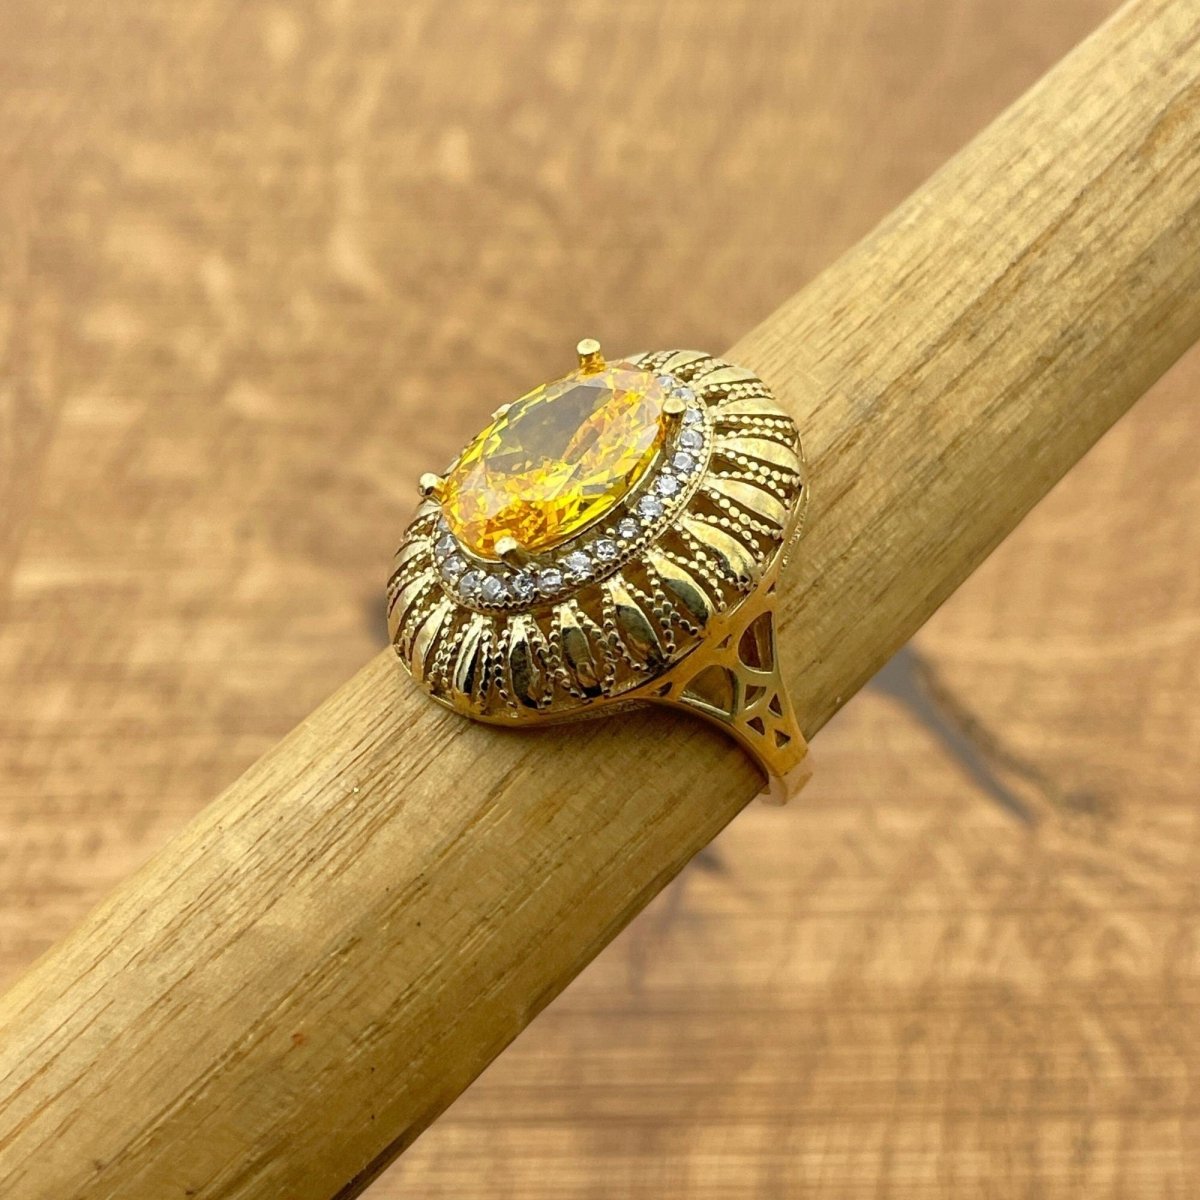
[[612, 537]]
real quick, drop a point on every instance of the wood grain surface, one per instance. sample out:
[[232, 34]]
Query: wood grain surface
[[259, 265]]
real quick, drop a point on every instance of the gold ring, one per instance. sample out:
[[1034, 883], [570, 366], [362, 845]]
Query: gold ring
[[613, 538]]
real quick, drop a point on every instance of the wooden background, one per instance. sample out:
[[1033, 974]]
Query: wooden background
[[262, 263]]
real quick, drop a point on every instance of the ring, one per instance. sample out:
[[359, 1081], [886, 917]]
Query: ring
[[611, 539]]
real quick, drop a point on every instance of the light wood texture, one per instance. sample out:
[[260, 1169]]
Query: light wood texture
[[892, 859]]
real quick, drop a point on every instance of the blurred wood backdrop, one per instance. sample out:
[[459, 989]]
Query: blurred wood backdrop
[[261, 263]]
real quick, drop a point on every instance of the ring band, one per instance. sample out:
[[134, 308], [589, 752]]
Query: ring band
[[613, 538]]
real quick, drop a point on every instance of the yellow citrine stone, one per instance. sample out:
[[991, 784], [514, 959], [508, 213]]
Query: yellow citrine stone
[[557, 459]]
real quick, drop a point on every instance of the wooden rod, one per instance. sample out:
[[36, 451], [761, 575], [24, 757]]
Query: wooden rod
[[321, 962]]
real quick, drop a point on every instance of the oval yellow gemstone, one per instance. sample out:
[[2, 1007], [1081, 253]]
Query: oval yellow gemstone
[[558, 459]]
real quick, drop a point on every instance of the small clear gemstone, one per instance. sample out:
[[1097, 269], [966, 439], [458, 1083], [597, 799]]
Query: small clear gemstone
[[666, 485], [693, 416], [650, 508], [683, 461], [691, 439], [445, 546], [453, 567], [685, 393], [492, 589], [549, 581], [470, 583], [577, 563], [628, 528], [524, 586], [605, 549], [666, 381]]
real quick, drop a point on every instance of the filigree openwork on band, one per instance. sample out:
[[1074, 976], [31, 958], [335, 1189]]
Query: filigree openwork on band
[[667, 597]]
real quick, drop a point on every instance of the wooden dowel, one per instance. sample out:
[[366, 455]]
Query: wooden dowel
[[302, 980]]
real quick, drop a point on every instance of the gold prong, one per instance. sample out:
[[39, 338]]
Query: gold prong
[[591, 358], [431, 486], [497, 413], [674, 406], [511, 551]]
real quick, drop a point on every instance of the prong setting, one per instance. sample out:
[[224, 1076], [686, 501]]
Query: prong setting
[[591, 357], [431, 486], [512, 552]]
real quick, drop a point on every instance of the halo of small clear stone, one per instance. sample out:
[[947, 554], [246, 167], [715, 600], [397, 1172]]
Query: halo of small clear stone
[[644, 515]]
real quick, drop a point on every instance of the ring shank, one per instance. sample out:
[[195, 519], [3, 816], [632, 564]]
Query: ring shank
[[733, 680]]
